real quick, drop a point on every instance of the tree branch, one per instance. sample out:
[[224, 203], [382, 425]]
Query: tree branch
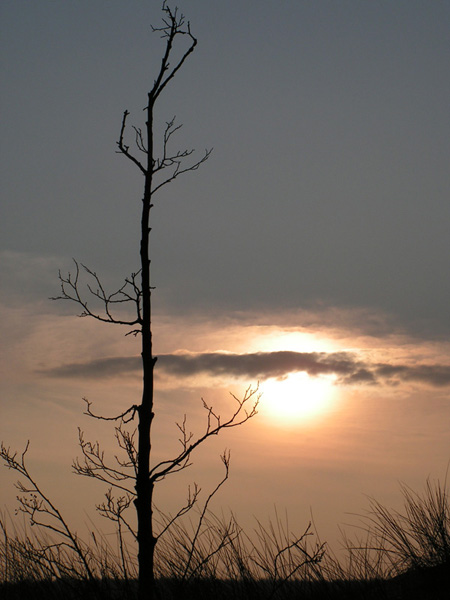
[[213, 427], [173, 26], [130, 411], [124, 149], [225, 457], [70, 290], [35, 503], [176, 161], [94, 466]]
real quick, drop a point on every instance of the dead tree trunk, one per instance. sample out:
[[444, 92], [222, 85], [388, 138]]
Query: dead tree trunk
[[144, 485], [159, 169], [173, 25]]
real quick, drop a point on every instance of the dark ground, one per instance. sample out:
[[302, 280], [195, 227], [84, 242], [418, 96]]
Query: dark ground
[[426, 584]]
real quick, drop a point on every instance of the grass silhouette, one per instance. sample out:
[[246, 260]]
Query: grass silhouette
[[393, 555]]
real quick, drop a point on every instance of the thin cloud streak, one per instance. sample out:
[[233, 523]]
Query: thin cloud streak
[[347, 367], [99, 368]]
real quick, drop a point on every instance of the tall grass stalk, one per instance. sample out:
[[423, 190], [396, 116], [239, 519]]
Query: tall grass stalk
[[397, 554]]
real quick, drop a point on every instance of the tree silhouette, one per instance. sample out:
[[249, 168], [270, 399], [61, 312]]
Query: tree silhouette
[[135, 476]]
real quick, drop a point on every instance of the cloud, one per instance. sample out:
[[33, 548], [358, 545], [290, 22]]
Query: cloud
[[437, 375], [258, 365], [99, 368], [346, 366]]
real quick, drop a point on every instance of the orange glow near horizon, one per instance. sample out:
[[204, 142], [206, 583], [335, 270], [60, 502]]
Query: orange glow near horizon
[[296, 399]]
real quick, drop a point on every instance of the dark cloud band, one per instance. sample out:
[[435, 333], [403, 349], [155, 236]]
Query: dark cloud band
[[348, 368]]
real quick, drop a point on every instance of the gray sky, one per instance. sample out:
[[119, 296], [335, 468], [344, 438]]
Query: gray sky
[[315, 240], [329, 178]]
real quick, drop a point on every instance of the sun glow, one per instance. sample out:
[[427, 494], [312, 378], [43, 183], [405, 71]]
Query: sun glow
[[296, 341], [296, 398]]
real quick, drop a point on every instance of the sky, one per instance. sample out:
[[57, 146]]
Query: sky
[[310, 253]]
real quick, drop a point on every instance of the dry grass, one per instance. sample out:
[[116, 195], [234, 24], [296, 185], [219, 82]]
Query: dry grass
[[396, 555]]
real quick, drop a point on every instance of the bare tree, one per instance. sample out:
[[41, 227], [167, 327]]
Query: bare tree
[[134, 477]]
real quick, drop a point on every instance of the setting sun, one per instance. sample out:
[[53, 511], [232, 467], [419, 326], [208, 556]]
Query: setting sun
[[296, 398]]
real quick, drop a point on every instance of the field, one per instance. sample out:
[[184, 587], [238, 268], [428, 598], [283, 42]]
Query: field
[[404, 555]]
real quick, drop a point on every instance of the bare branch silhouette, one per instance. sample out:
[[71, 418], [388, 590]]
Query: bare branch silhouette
[[40, 509], [130, 475], [213, 427], [129, 292]]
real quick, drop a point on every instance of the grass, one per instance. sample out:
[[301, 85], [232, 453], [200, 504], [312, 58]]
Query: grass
[[393, 555]]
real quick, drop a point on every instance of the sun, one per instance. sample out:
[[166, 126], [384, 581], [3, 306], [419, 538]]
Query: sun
[[297, 398]]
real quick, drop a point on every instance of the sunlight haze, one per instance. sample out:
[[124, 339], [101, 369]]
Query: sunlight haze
[[309, 256]]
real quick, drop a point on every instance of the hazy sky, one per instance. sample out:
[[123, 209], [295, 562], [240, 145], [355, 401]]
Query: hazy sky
[[314, 241]]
